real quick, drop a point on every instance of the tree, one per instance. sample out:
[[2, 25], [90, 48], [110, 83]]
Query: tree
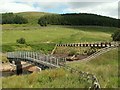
[[42, 22], [78, 19], [116, 36], [19, 20], [21, 41], [10, 18]]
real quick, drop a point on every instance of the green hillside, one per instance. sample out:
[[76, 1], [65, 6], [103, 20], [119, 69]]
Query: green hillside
[[105, 67], [64, 34], [59, 78], [32, 16], [43, 39], [38, 38]]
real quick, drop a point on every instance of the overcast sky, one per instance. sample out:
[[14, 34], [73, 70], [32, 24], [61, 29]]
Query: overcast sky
[[107, 8]]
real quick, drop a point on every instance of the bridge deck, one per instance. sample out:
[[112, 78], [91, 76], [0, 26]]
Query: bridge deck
[[36, 58]]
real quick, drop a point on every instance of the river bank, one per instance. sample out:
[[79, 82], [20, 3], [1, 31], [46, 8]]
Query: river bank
[[8, 69]]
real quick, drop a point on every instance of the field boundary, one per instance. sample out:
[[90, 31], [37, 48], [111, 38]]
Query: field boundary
[[89, 77]]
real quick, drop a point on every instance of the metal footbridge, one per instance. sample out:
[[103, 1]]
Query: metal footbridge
[[38, 59]]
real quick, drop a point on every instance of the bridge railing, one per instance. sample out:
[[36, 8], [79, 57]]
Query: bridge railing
[[92, 44], [36, 57]]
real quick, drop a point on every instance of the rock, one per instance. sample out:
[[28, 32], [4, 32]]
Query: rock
[[34, 69]]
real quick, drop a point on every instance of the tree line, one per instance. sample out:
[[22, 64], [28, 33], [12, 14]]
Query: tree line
[[78, 19], [10, 18]]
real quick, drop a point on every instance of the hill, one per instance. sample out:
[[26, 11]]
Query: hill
[[39, 38], [32, 16], [59, 78], [79, 19], [66, 19], [105, 67]]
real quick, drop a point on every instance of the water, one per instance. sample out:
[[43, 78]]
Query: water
[[10, 73]]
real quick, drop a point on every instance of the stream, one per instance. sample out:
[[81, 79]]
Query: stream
[[11, 73]]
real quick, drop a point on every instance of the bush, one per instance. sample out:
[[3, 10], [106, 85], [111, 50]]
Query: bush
[[71, 53], [43, 47], [116, 36], [11, 18], [90, 51], [7, 48], [42, 22], [21, 41]]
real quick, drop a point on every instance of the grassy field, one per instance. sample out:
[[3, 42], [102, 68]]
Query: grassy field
[[43, 39], [36, 36], [64, 34], [105, 67], [32, 16], [60, 78], [57, 78]]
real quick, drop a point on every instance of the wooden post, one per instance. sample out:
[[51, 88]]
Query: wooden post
[[45, 58], [25, 54], [30, 54], [57, 62]]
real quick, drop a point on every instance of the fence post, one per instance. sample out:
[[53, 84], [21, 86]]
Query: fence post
[[57, 62]]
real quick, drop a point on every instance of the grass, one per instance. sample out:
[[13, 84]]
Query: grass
[[105, 67], [55, 34], [68, 50], [45, 48], [32, 16], [37, 36], [56, 78]]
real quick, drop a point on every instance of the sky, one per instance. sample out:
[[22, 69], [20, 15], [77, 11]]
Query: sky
[[103, 7]]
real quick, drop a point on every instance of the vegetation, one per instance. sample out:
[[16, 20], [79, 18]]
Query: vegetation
[[39, 39], [43, 40], [105, 67], [55, 34], [42, 22], [116, 36], [72, 52], [90, 51], [41, 47], [21, 41], [10, 18], [60, 78], [56, 78], [78, 19], [3, 58], [32, 17]]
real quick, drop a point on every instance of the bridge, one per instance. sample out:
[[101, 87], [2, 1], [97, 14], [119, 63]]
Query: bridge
[[94, 44], [40, 60], [49, 61]]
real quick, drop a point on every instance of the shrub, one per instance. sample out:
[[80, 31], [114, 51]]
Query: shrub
[[21, 41], [7, 48], [11, 18], [71, 53], [90, 51], [116, 36], [42, 22]]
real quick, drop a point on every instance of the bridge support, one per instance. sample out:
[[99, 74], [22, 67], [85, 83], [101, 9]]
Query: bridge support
[[10, 61], [18, 67]]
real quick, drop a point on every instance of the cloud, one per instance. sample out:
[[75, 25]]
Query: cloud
[[47, 5], [16, 7], [106, 9], [61, 6]]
